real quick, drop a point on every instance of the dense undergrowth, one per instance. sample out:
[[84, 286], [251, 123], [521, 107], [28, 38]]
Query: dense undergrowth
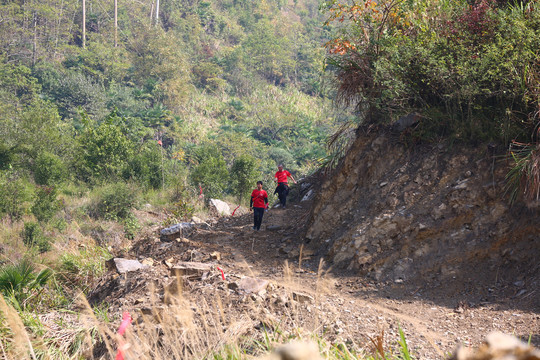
[[468, 69]]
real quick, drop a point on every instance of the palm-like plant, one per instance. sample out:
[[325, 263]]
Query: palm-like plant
[[524, 177], [20, 283]]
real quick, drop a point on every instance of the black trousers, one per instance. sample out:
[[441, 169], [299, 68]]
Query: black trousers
[[282, 190], [257, 217]]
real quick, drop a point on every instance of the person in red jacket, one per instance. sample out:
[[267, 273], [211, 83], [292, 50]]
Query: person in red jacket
[[258, 203], [282, 188]]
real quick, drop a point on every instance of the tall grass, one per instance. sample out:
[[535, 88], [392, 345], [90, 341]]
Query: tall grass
[[182, 327]]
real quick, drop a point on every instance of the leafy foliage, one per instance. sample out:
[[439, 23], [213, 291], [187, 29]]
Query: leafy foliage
[[33, 236], [103, 150], [45, 204], [463, 63], [114, 201], [49, 169], [21, 285], [244, 174], [15, 193], [209, 170]]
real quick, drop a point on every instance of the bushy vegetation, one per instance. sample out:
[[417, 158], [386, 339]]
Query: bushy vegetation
[[240, 78], [469, 68]]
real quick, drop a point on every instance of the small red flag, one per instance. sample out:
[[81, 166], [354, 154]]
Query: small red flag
[[126, 321], [222, 273]]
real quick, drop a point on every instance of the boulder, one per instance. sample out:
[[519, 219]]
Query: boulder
[[218, 207], [172, 232], [298, 351], [250, 285], [187, 268], [499, 346], [123, 266], [310, 194], [405, 122], [302, 297]]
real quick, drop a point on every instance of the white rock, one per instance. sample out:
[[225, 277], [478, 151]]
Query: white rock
[[308, 196], [177, 228], [124, 265], [221, 207]]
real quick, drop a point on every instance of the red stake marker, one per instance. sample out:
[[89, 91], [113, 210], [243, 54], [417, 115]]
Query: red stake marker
[[222, 273], [126, 321]]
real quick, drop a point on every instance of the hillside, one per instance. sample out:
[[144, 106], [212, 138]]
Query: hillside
[[414, 127]]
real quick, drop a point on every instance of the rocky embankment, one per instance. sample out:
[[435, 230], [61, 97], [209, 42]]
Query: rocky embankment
[[433, 216]]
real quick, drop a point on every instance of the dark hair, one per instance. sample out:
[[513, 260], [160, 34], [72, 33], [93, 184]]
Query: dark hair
[[259, 182]]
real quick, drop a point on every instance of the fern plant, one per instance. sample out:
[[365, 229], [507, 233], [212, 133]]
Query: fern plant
[[21, 284], [524, 177]]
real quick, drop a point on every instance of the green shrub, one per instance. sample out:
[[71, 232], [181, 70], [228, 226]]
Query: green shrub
[[103, 150], [282, 156], [475, 63], [33, 236], [145, 166], [72, 90], [210, 171], [46, 205], [114, 201], [6, 156], [49, 169], [244, 175], [131, 226], [15, 194], [181, 211]]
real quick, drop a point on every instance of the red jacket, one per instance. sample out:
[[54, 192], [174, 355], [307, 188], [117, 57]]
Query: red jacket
[[259, 198], [281, 176]]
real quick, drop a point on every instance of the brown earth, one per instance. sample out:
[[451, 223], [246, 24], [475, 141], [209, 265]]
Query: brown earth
[[305, 294]]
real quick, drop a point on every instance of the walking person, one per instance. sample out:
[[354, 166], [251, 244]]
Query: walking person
[[282, 189], [258, 203]]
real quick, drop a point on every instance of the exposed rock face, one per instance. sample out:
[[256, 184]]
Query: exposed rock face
[[395, 213]]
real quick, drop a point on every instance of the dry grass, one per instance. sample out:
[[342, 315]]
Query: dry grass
[[177, 328]]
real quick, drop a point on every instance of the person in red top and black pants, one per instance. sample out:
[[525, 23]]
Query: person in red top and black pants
[[283, 187], [258, 203]]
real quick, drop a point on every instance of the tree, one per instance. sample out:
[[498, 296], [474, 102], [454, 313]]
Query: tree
[[244, 174], [103, 150], [210, 171]]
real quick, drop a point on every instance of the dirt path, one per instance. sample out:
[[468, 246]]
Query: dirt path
[[351, 309]]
